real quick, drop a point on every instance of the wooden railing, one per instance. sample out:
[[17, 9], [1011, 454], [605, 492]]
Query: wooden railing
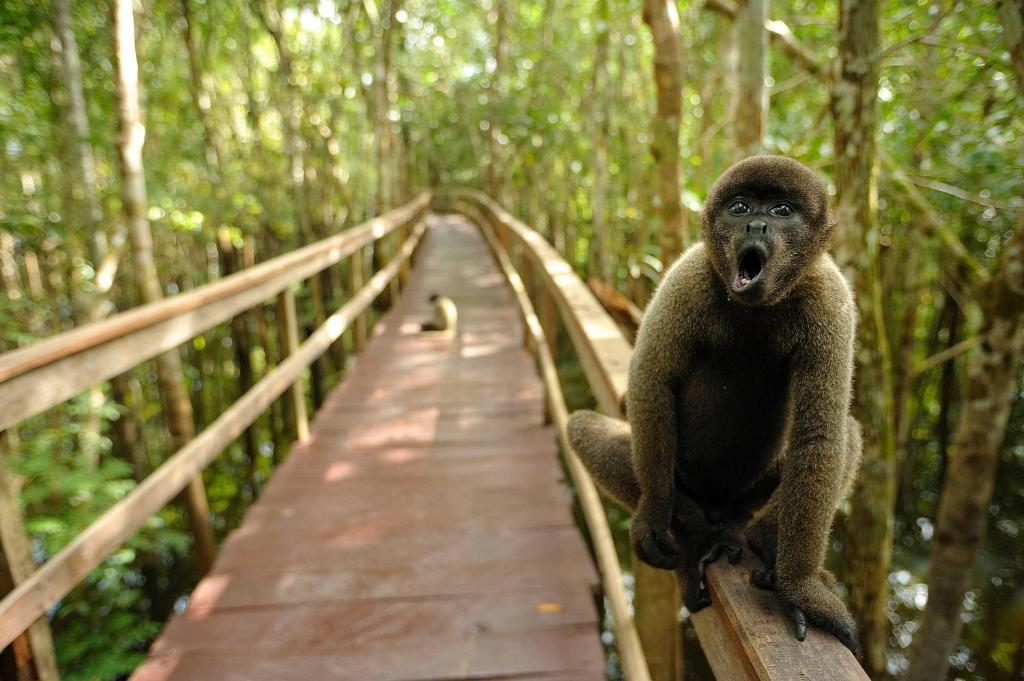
[[744, 634], [43, 375]]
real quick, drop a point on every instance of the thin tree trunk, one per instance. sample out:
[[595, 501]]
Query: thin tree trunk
[[291, 117], [1012, 14], [869, 540], [132, 135], [32, 653], [992, 383], [495, 158], [663, 19], [84, 191], [751, 104], [601, 110]]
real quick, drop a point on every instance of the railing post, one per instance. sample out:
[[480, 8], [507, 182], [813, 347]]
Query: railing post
[[406, 269], [33, 652], [356, 264], [289, 331], [392, 249], [657, 600], [322, 366]]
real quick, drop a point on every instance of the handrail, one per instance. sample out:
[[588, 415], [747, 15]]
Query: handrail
[[627, 638], [37, 377], [744, 634], [30, 599]]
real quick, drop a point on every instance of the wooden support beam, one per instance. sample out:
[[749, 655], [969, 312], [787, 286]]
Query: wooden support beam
[[357, 266], [288, 322]]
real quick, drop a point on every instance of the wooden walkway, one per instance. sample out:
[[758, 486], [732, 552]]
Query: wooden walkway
[[423, 532]]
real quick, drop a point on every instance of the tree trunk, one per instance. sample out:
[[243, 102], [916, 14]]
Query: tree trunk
[[601, 110], [291, 118], [130, 141], [495, 158], [657, 592], [870, 535], [992, 376], [663, 19], [31, 655], [1012, 14], [751, 104], [84, 191], [383, 98]]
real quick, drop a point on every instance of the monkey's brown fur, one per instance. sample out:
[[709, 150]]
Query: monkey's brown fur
[[738, 399]]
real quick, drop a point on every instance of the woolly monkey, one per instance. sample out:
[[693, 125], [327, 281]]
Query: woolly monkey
[[738, 398]]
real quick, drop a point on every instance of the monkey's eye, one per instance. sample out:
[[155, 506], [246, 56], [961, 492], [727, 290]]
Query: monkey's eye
[[739, 208], [781, 210]]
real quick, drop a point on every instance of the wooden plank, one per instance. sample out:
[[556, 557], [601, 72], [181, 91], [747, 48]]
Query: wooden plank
[[31, 599], [746, 632], [40, 376]]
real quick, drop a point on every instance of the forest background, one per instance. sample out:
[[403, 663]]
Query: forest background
[[601, 123]]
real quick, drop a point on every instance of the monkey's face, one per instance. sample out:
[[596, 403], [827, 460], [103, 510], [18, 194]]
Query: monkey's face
[[760, 234], [765, 219]]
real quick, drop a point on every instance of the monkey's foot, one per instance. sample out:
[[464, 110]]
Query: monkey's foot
[[812, 600], [696, 596], [652, 545]]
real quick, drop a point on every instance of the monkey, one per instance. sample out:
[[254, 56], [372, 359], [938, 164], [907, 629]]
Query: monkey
[[738, 399], [446, 315]]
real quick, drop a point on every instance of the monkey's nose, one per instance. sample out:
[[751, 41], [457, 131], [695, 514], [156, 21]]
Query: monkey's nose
[[757, 226]]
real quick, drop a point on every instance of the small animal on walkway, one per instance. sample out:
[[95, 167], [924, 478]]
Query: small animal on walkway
[[738, 398], [446, 315]]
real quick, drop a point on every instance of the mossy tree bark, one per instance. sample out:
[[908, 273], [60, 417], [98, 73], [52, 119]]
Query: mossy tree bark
[[751, 104], [600, 111], [869, 541], [662, 17]]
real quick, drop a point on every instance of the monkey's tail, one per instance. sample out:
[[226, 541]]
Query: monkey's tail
[[603, 445]]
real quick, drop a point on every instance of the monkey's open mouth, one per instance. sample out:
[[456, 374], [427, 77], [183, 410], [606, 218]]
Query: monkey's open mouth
[[749, 268]]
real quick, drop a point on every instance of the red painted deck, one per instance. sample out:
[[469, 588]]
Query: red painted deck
[[423, 532]]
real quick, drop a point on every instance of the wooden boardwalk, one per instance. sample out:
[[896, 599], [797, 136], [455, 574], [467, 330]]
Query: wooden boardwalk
[[424, 531]]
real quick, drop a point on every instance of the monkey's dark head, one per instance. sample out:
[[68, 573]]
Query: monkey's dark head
[[764, 221], [433, 297]]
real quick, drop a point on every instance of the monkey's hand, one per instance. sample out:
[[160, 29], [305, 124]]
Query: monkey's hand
[[812, 600], [652, 542]]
